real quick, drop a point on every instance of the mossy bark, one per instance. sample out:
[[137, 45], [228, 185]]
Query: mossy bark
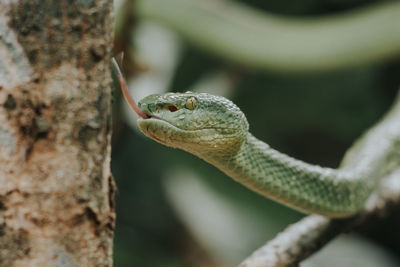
[[56, 188]]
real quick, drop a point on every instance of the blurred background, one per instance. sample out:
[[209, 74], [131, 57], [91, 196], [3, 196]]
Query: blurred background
[[310, 76]]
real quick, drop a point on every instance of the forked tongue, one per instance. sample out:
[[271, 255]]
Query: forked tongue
[[125, 91]]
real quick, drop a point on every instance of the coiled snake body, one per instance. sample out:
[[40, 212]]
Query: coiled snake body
[[214, 129]]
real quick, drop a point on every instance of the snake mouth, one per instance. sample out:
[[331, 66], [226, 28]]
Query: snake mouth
[[155, 137], [147, 126], [154, 118], [149, 116]]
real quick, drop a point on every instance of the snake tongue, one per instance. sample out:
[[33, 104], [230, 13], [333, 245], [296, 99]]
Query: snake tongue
[[125, 92]]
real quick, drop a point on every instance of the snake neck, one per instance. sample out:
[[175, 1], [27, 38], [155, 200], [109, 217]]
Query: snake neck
[[305, 187]]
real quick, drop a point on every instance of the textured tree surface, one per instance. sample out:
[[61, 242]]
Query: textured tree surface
[[56, 189]]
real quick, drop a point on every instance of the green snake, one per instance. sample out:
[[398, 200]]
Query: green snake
[[215, 129]]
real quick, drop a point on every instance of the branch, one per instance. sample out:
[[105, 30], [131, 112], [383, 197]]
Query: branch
[[305, 237], [300, 240], [260, 40]]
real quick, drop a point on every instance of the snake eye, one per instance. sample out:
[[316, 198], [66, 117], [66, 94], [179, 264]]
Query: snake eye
[[191, 103]]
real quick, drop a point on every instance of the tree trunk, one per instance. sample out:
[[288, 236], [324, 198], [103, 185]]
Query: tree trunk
[[56, 189]]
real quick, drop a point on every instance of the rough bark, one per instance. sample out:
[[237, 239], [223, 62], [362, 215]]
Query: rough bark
[[56, 189]]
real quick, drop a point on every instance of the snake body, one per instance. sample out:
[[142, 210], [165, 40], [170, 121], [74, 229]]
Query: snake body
[[214, 129]]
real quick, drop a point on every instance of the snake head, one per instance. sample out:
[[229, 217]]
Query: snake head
[[206, 125]]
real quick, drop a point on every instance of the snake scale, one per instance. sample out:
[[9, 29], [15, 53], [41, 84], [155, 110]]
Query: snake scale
[[216, 130]]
